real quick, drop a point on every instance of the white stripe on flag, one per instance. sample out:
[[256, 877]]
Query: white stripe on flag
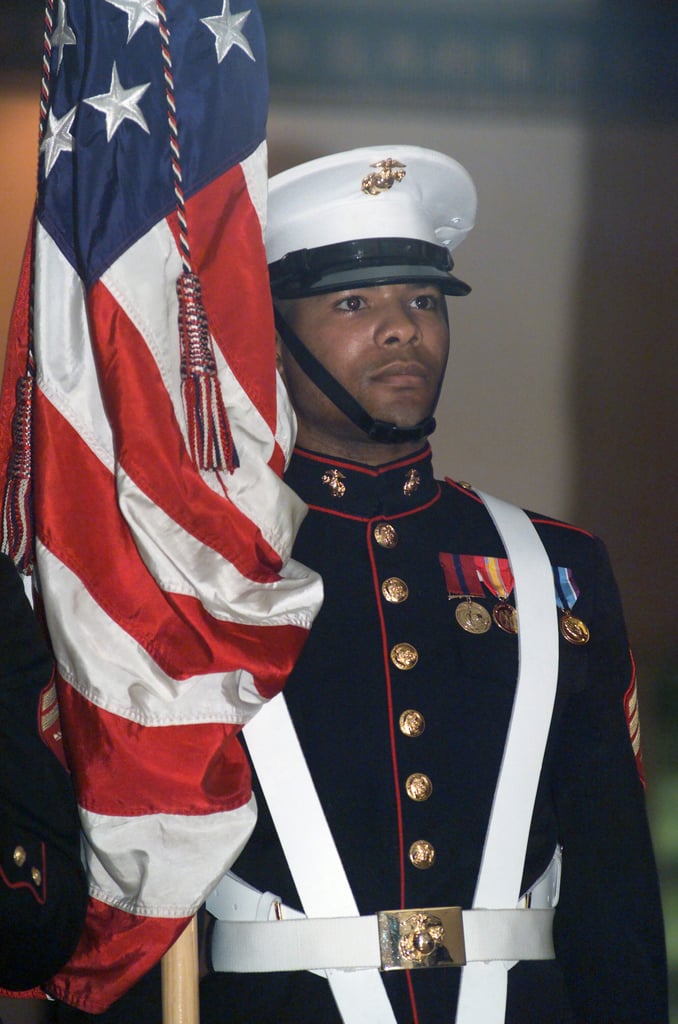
[[183, 849]]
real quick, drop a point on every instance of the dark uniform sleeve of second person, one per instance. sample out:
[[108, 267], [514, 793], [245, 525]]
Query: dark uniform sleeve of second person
[[43, 889], [608, 929]]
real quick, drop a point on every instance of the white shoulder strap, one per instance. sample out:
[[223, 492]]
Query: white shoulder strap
[[483, 987], [305, 835], [310, 850]]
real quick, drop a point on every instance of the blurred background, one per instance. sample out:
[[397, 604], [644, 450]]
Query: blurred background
[[561, 393]]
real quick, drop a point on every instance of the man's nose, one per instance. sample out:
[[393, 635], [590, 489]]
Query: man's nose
[[397, 325]]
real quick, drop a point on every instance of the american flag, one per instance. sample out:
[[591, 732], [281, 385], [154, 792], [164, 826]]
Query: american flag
[[172, 603]]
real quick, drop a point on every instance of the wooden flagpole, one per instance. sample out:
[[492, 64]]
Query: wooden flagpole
[[179, 971]]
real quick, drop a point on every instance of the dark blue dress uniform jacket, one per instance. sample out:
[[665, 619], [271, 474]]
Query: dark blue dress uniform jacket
[[43, 889], [346, 696]]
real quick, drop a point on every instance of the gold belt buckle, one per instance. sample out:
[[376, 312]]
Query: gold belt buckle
[[423, 937]]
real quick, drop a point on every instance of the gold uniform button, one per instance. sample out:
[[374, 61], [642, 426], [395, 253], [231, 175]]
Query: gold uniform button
[[412, 723], [465, 484], [404, 656], [19, 856], [385, 535], [395, 590], [36, 876], [422, 854], [418, 787]]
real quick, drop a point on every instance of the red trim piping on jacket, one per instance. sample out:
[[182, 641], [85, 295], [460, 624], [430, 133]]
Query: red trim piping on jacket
[[380, 518], [542, 520], [391, 729]]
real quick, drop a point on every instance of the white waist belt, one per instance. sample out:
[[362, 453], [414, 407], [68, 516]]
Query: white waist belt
[[432, 937]]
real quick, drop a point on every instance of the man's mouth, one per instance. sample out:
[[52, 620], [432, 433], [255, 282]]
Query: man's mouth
[[400, 373]]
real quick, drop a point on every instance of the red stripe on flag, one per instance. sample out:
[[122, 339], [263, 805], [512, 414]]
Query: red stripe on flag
[[126, 769], [115, 951]]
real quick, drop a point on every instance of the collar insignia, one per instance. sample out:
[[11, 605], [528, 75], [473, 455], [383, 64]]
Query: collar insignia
[[412, 481], [333, 479]]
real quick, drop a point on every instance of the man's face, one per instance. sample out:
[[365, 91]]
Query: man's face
[[387, 345]]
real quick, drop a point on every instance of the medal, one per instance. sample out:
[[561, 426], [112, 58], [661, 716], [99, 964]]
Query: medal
[[472, 617], [506, 617], [573, 629], [497, 576]]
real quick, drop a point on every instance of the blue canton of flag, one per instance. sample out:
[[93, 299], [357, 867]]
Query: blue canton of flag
[[109, 112]]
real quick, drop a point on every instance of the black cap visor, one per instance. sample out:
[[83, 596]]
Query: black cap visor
[[364, 263]]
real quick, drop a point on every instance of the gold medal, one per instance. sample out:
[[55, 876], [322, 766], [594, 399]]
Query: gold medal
[[472, 617], [573, 629], [506, 617]]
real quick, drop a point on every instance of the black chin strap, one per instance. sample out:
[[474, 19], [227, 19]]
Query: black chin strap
[[377, 430]]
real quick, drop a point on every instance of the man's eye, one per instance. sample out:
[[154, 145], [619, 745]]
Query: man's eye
[[352, 303], [425, 301]]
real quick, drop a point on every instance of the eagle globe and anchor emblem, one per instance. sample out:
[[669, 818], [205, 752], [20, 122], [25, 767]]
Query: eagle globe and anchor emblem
[[387, 172], [421, 937]]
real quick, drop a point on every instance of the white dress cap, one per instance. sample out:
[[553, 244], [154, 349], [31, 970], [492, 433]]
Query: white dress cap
[[377, 192]]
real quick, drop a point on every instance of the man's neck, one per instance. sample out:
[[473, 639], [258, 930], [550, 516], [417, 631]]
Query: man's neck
[[367, 452]]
